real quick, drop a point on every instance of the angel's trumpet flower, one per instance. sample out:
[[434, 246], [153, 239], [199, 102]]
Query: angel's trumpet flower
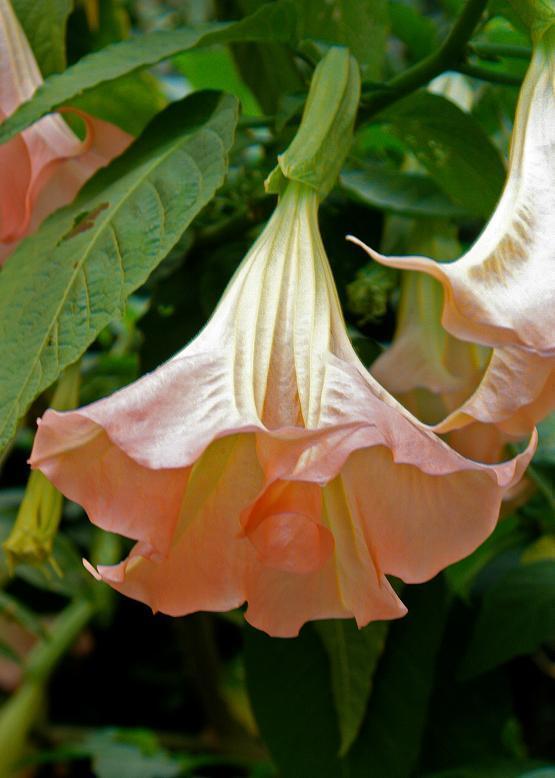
[[501, 293], [44, 167], [263, 463], [432, 373]]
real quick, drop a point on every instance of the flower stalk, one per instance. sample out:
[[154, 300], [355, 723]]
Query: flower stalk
[[447, 57], [19, 713]]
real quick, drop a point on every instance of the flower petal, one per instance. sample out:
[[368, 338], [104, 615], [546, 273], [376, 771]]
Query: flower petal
[[516, 392], [418, 523], [501, 292], [15, 165], [141, 503], [62, 163], [252, 431], [206, 564]]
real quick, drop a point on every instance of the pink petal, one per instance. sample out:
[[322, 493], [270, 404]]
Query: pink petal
[[205, 567], [417, 523], [15, 164], [516, 392], [481, 442], [284, 527], [40, 162], [502, 291], [62, 163], [136, 501], [255, 433]]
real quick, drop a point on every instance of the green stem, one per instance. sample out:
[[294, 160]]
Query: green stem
[[495, 51], [447, 57], [46, 654], [16, 719], [485, 74], [19, 713]]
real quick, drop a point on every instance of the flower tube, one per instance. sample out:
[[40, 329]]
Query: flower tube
[[432, 373], [501, 293], [44, 167], [263, 463]]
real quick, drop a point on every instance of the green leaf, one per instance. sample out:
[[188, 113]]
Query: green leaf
[[390, 739], [417, 32], [289, 688], [509, 534], [460, 729], [353, 654], [272, 22], [44, 25], [409, 194], [453, 147], [68, 280], [538, 15], [130, 101], [268, 69], [516, 617], [214, 68], [362, 26]]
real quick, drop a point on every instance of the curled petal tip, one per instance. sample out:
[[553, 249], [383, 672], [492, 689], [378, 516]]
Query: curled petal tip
[[372, 252], [91, 569], [402, 263]]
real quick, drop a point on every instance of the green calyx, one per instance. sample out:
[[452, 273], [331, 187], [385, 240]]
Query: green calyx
[[32, 536], [538, 15], [322, 142]]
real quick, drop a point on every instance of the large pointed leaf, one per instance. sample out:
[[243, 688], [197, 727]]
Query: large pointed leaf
[[516, 617], [452, 146], [289, 689], [353, 654], [390, 739], [362, 26], [44, 25], [69, 279], [273, 22], [409, 194]]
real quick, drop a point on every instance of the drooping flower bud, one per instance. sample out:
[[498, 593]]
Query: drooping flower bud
[[32, 536]]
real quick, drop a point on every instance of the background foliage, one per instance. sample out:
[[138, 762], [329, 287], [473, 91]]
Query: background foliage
[[464, 686]]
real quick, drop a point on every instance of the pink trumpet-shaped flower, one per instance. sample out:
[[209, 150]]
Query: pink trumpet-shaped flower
[[426, 368], [44, 167], [264, 464], [501, 293], [432, 373]]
